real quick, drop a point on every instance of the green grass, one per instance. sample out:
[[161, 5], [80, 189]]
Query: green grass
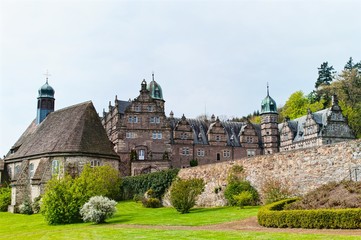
[[132, 213], [16, 226]]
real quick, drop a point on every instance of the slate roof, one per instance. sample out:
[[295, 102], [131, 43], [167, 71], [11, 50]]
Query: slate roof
[[122, 105], [73, 130], [296, 125], [200, 129]]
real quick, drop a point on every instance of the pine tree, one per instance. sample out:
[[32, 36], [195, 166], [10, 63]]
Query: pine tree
[[325, 75]]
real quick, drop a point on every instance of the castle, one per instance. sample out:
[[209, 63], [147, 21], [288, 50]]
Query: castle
[[136, 137], [147, 140]]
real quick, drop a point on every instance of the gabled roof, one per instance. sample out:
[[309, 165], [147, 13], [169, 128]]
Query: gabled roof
[[297, 125], [73, 130]]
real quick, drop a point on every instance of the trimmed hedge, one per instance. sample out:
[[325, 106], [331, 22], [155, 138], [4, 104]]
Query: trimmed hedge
[[273, 215], [138, 185]]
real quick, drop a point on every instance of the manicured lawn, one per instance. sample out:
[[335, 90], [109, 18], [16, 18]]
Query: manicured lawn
[[16, 226], [132, 213]]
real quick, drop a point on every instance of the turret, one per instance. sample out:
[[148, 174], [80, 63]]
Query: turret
[[46, 101], [269, 125]]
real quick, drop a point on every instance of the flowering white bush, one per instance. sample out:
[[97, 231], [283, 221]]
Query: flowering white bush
[[97, 209]]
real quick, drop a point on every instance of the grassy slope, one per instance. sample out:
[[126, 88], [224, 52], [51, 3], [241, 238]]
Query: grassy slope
[[15, 226]]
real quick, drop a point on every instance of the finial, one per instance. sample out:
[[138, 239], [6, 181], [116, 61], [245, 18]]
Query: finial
[[267, 89], [153, 75], [47, 74]]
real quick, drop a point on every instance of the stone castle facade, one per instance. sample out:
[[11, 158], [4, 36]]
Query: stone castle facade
[[147, 140]]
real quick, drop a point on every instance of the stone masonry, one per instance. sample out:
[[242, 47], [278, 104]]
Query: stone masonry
[[301, 170]]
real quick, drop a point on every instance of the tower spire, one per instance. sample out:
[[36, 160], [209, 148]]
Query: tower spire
[[47, 74], [267, 89]]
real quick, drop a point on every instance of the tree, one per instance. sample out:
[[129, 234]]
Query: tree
[[349, 65], [65, 196], [297, 105], [325, 75], [183, 193], [347, 87]]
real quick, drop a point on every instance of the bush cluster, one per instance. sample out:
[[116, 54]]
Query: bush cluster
[[239, 191], [64, 197], [5, 198], [274, 190], [159, 182], [273, 215], [98, 209], [183, 193], [26, 208], [149, 200]]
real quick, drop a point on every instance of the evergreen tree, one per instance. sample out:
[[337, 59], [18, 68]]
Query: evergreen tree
[[349, 65], [325, 75]]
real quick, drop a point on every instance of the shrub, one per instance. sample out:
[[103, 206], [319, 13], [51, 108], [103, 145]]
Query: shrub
[[64, 197], [193, 162], [236, 187], [98, 209], [59, 205], [273, 215], [183, 193], [244, 198], [151, 202], [138, 197], [159, 182], [25, 208], [344, 194], [273, 191], [36, 204], [96, 181], [5, 198]]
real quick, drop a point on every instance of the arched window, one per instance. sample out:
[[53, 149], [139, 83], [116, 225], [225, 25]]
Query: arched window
[[94, 163], [55, 167], [31, 170]]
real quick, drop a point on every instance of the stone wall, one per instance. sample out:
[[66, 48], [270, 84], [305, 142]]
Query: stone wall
[[301, 170]]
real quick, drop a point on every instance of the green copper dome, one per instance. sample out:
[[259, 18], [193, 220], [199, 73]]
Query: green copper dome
[[46, 91], [155, 90], [268, 105]]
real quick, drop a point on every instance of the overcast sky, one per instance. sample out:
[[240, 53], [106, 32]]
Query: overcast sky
[[208, 56]]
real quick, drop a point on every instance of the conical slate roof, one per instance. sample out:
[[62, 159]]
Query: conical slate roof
[[73, 130]]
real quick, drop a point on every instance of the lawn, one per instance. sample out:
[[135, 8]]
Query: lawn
[[125, 225]]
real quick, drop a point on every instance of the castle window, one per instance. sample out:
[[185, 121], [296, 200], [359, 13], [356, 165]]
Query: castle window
[[31, 170], [249, 139], [133, 119], [137, 108], [150, 108], [94, 163], [218, 138], [157, 135], [200, 152], [226, 153], [185, 151], [55, 167], [10, 172], [141, 154], [154, 119], [218, 156], [130, 135], [17, 169], [251, 153], [184, 136]]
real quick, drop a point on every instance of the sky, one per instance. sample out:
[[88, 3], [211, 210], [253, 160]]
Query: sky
[[210, 57]]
